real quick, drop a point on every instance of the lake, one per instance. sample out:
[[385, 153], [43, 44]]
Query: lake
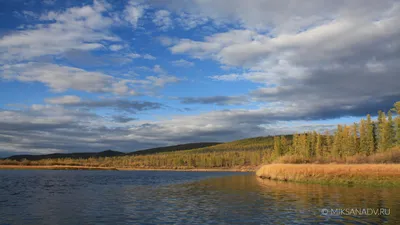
[[166, 197]]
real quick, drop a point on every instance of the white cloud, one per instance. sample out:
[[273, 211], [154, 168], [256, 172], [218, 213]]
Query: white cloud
[[167, 41], [189, 21], [145, 56], [228, 77], [283, 55], [67, 99], [61, 78], [326, 40], [182, 63], [149, 57], [77, 28], [162, 80], [162, 18], [133, 55], [133, 12], [328, 64], [116, 47], [285, 16], [158, 69]]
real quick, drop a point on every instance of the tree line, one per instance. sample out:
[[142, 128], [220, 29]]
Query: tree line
[[172, 160], [364, 138]]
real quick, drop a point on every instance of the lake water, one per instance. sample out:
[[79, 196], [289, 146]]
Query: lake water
[[151, 197]]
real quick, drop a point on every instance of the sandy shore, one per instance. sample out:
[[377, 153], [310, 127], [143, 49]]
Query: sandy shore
[[369, 174], [60, 167]]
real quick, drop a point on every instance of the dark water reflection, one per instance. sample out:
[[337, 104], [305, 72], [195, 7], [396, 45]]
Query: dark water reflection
[[145, 197]]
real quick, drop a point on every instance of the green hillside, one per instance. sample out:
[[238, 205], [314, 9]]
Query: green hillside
[[248, 144], [174, 148]]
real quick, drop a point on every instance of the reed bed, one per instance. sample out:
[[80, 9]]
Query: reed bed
[[370, 174]]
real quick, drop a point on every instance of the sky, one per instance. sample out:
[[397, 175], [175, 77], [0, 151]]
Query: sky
[[86, 76]]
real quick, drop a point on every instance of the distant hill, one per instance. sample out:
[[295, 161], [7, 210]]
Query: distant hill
[[248, 144], [111, 153], [84, 155], [173, 148]]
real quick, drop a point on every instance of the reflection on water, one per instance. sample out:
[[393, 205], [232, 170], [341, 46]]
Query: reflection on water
[[145, 197]]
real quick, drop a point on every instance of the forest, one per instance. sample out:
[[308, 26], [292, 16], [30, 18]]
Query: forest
[[362, 141]]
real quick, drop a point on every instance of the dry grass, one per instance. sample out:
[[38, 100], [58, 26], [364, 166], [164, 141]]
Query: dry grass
[[372, 174], [391, 156]]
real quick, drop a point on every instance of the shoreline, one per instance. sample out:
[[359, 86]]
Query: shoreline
[[62, 167], [344, 174]]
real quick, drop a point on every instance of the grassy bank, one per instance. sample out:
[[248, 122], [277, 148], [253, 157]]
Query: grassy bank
[[61, 167], [349, 174]]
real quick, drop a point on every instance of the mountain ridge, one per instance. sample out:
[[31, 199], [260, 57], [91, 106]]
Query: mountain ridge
[[112, 153]]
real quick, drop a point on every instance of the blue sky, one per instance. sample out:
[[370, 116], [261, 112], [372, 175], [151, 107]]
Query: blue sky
[[127, 75]]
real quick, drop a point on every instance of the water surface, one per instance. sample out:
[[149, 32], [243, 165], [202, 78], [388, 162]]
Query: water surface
[[162, 197]]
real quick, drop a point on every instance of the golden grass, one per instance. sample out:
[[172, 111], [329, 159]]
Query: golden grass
[[371, 174]]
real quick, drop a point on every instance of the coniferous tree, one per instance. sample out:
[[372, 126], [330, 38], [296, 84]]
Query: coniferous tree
[[303, 145], [284, 145], [381, 128], [308, 145], [313, 141], [390, 130], [294, 149], [397, 122], [336, 146], [346, 146], [355, 147], [370, 136], [363, 138], [328, 142], [277, 146], [319, 146]]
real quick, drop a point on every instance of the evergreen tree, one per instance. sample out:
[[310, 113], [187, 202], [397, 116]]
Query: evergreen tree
[[355, 145], [277, 146], [390, 130], [294, 145], [318, 146], [336, 146], [313, 142], [370, 136], [284, 145], [303, 145], [346, 146], [363, 138], [328, 142], [397, 122], [382, 134]]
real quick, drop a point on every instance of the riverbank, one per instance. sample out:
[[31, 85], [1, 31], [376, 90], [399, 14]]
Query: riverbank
[[62, 167], [348, 174]]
